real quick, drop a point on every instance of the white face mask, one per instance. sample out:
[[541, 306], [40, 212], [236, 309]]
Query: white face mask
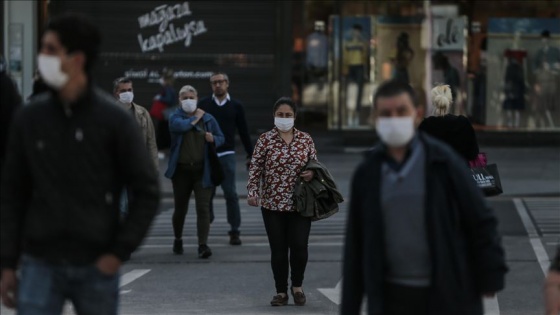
[[50, 69], [395, 132], [284, 124], [126, 97], [188, 105]]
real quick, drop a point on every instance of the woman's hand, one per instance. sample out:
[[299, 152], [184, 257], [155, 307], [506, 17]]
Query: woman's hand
[[253, 201], [307, 175], [209, 137]]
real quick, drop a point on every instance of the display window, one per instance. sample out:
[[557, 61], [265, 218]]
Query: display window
[[523, 73]]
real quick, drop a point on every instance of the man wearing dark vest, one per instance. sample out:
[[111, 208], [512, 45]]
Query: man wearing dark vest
[[230, 115], [420, 238]]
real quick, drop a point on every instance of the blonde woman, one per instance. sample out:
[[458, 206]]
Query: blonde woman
[[456, 131]]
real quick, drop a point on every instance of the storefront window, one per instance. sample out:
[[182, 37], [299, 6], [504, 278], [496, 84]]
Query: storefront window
[[523, 73]]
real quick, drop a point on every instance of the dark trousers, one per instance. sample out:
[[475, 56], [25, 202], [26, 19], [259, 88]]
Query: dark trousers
[[185, 181], [288, 235], [230, 194], [405, 300]]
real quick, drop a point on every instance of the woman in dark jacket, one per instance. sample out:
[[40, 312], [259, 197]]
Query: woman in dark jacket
[[456, 131]]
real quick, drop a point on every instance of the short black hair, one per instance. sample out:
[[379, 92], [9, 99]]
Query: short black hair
[[393, 88], [284, 100], [545, 34], [76, 32]]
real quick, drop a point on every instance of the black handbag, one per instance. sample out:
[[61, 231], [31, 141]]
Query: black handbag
[[488, 179], [216, 170]]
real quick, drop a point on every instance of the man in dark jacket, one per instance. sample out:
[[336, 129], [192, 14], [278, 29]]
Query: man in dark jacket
[[420, 238], [230, 115], [69, 154]]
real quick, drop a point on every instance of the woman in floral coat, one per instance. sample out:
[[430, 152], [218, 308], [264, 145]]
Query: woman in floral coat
[[278, 159]]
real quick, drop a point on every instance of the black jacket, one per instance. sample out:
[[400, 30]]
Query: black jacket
[[10, 100], [230, 117], [468, 259], [319, 198], [456, 131], [65, 170]]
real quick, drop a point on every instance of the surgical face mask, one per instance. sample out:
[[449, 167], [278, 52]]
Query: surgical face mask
[[188, 105], [395, 132], [126, 97], [51, 72], [284, 124]]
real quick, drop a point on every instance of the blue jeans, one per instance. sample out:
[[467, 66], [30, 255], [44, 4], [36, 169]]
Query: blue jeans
[[230, 193], [44, 287]]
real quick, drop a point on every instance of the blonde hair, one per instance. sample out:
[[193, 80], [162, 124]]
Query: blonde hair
[[442, 99]]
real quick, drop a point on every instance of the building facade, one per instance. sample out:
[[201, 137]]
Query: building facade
[[328, 55]]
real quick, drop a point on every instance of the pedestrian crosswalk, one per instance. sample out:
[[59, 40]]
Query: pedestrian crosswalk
[[251, 221], [546, 214]]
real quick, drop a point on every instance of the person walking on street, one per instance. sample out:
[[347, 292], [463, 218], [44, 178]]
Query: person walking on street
[[161, 108], [230, 115], [552, 286], [420, 237], [192, 132], [279, 157], [124, 93], [456, 131], [69, 154]]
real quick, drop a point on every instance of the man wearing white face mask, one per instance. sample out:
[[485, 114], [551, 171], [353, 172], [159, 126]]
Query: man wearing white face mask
[[193, 132], [420, 238], [123, 92], [71, 150]]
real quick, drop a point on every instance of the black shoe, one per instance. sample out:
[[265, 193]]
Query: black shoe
[[279, 300], [299, 297], [178, 247], [234, 238], [204, 251]]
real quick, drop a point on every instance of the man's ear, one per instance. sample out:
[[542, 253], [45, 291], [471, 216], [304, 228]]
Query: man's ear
[[80, 59], [420, 111]]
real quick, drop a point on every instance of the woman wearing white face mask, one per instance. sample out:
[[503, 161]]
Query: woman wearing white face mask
[[192, 132], [278, 158]]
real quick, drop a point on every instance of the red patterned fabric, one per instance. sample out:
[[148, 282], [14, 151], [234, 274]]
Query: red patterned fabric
[[517, 54], [275, 167]]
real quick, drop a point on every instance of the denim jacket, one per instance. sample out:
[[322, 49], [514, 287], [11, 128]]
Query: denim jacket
[[179, 124]]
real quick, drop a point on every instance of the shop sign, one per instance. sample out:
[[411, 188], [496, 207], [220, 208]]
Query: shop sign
[[448, 33], [172, 27]]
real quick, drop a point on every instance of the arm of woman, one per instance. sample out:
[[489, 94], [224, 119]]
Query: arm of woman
[[312, 154], [471, 144], [256, 171]]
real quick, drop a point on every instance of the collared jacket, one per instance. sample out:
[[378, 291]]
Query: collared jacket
[[319, 197], [148, 133], [179, 124], [65, 169], [465, 248]]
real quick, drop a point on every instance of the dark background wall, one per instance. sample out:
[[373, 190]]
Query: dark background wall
[[249, 40]]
